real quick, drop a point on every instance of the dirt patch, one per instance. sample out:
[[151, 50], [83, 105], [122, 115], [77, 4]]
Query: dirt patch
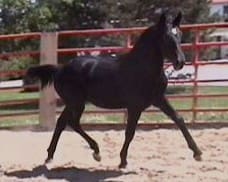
[[158, 155]]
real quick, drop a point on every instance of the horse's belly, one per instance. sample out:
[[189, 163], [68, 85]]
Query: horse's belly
[[106, 103], [105, 97]]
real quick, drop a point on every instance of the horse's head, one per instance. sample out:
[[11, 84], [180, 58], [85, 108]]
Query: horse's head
[[170, 34]]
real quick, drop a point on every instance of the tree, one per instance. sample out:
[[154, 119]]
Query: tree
[[13, 16], [128, 13]]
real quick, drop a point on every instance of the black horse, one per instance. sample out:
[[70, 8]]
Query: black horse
[[133, 81]]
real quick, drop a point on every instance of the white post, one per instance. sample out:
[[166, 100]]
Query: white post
[[47, 102]]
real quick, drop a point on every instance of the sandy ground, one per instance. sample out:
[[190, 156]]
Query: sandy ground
[[158, 155]]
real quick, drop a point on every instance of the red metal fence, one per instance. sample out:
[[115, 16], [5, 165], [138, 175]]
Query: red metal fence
[[194, 46]]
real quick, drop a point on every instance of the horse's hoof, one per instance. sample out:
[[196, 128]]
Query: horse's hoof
[[48, 160], [198, 156], [122, 165], [97, 157]]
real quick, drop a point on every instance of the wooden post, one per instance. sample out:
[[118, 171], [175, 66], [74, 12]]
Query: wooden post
[[47, 103]]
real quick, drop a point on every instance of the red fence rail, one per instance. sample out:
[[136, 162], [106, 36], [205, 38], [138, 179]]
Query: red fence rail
[[194, 46]]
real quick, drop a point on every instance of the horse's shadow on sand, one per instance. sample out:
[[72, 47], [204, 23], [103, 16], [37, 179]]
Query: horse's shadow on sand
[[70, 174]]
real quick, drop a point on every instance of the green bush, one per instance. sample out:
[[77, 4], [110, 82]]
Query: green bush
[[16, 63]]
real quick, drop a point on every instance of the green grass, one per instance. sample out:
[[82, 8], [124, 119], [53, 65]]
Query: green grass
[[185, 103], [7, 96], [213, 90], [19, 121]]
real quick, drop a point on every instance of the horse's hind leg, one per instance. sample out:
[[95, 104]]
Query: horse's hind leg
[[164, 105], [75, 125], [60, 126]]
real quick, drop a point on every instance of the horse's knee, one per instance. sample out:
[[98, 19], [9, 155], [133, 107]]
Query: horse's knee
[[180, 121]]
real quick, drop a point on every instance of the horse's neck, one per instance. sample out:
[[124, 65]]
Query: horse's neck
[[147, 57]]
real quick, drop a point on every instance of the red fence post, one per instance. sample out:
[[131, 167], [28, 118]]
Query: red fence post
[[195, 83], [47, 102]]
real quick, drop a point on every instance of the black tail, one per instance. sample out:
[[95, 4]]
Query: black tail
[[44, 73]]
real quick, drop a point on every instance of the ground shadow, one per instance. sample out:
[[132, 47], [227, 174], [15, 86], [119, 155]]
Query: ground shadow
[[70, 174]]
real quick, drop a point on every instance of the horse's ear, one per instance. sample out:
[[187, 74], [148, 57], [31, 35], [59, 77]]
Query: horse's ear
[[162, 25], [177, 20]]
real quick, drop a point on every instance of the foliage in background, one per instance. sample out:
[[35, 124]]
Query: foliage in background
[[17, 63], [128, 13], [18, 16]]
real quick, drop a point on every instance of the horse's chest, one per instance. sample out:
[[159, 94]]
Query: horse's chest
[[144, 94]]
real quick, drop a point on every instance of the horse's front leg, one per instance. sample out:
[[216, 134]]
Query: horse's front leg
[[164, 105], [133, 117], [60, 126]]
